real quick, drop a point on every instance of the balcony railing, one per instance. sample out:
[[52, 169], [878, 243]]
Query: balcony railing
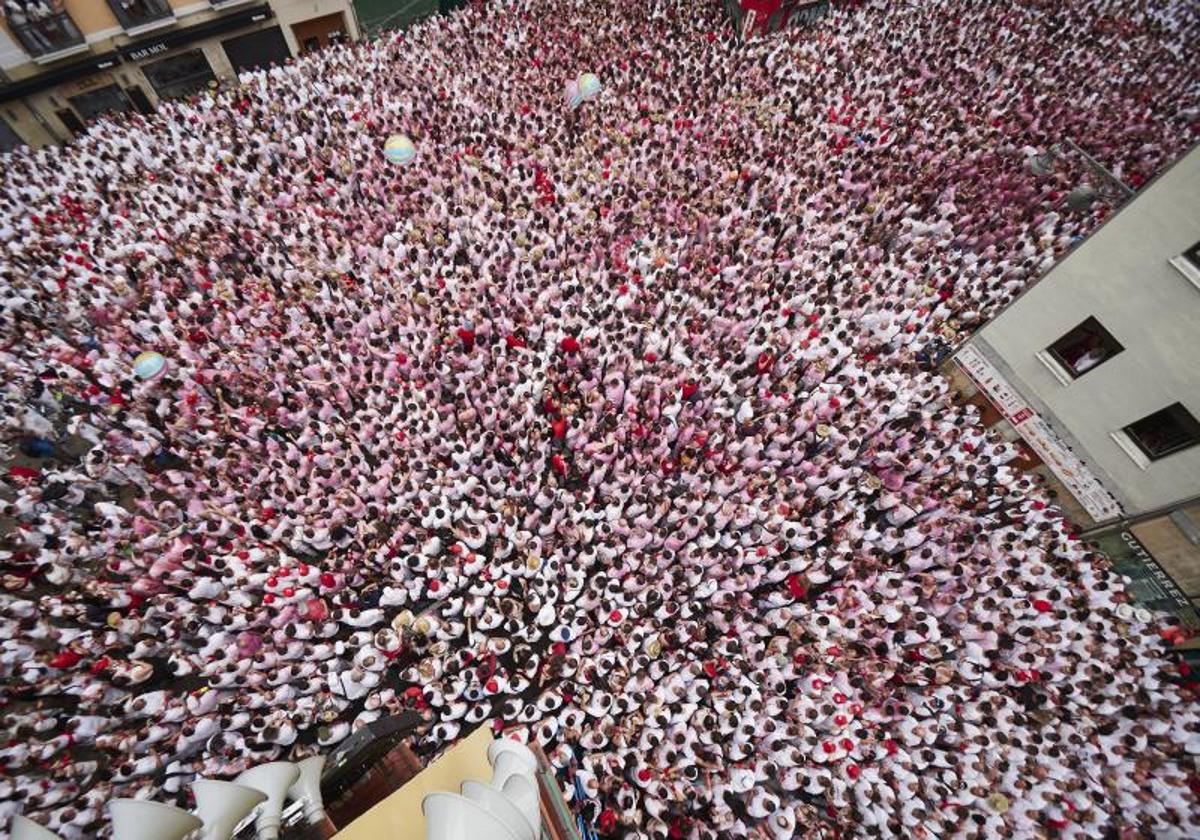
[[43, 33], [139, 14]]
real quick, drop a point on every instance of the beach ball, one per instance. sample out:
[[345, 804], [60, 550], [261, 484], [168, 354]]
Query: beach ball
[[589, 85], [149, 364], [399, 149], [572, 95]]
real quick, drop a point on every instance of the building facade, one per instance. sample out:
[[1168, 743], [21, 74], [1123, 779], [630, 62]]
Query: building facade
[[65, 62], [1097, 366]]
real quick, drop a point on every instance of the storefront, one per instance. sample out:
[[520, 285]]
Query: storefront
[[1146, 580], [132, 77], [174, 62], [197, 47]]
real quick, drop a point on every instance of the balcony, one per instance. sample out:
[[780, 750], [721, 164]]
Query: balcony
[[137, 16], [45, 34]]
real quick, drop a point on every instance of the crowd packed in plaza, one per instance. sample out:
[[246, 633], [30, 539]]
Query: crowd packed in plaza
[[606, 427]]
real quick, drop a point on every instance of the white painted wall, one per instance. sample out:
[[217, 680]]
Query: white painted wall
[[1121, 276]]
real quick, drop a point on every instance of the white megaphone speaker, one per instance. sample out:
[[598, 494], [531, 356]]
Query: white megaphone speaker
[[141, 819], [522, 791], [23, 828], [449, 816], [507, 765], [223, 805], [500, 746], [273, 779], [497, 803], [307, 789]]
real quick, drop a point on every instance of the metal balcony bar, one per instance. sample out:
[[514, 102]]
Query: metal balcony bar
[[43, 34]]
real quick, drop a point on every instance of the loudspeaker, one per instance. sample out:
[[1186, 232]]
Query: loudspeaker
[[500, 806], [449, 816], [23, 828], [273, 779], [522, 791], [141, 819], [507, 765], [223, 805], [307, 789], [519, 750]]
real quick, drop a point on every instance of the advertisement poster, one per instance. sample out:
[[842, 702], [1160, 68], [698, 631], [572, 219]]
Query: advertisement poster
[[1065, 465]]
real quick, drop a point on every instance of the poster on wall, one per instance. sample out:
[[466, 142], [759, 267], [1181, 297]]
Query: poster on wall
[[1041, 437]]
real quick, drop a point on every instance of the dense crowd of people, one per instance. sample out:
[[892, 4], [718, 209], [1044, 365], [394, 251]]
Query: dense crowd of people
[[605, 427]]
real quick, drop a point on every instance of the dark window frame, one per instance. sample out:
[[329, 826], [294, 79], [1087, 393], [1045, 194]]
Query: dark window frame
[[83, 103], [10, 141], [133, 14], [1185, 419], [157, 73], [41, 30], [71, 121], [1089, 327], [1192, 255]]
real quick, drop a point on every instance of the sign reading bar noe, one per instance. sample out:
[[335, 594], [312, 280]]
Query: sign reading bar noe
[[146, 52]]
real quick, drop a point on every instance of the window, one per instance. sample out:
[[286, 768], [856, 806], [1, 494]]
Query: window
[[1087, 346], [1165, 432], [1192, 255], [1188, 264], [257, 49], [132, 14], [42, 30], [105, 100], [181, 75]]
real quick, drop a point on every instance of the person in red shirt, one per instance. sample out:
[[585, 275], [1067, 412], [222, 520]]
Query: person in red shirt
[[466, 334]]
